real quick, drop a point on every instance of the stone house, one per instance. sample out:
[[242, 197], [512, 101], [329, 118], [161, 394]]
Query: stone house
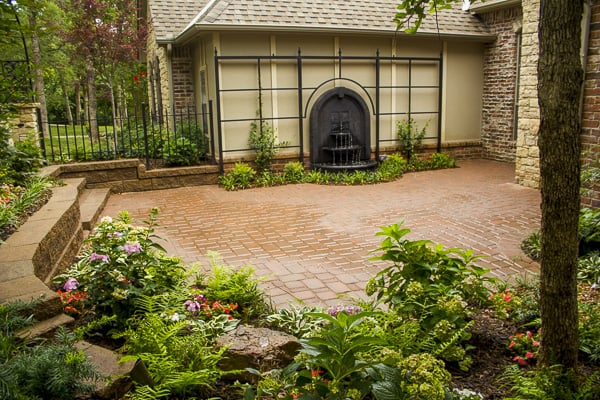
[[469, 76], [510, 119]]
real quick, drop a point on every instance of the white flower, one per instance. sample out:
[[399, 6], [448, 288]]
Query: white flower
[[107, 219], [174, 317]]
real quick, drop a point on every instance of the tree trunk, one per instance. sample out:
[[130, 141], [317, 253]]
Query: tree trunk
[[92, 101], [113, 107], [78, 103], [560, 77], [63, 86], [38, 73]]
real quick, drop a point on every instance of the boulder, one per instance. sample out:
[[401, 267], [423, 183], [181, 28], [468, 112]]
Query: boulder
[[261, 349]]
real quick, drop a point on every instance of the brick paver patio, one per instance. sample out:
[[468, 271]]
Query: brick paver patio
[[313, 243]]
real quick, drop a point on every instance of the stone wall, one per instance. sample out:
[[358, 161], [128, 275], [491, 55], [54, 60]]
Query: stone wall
[[527, 162], [183, 84], [500, 80], [590, 137], [25, 124]]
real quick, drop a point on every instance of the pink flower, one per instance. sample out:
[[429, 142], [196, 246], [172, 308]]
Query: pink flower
[[536, 343], [70, 284], [529, 334], [192, 306], [520, 360], [529, 355], [512, 344], [96, 256], [131, 248]]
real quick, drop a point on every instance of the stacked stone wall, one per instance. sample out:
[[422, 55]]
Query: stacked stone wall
[[590, 133], [500, 80], [527, 161]]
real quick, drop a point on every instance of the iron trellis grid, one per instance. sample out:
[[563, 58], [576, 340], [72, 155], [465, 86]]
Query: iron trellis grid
[[303, 105]]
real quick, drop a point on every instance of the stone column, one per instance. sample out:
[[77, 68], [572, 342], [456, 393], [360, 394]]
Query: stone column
[[527, 162]]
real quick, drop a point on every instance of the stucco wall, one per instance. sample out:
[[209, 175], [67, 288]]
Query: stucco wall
[[463, 87], [500, 83]]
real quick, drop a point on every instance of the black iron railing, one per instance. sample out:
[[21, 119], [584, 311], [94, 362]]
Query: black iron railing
[[176, 138]]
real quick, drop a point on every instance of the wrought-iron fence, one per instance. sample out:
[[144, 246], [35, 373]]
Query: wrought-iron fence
[[179, 138]]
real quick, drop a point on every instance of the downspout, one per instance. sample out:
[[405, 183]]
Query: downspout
[[519, 33]]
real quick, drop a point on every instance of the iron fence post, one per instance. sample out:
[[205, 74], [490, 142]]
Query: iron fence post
[[42, 143], [145, 128]]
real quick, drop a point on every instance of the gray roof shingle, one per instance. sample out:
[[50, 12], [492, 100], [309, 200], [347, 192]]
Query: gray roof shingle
[[172, 17]]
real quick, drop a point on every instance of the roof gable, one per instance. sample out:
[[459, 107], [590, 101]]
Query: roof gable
[[171, 18]]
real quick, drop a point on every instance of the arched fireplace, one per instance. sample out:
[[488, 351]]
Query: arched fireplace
[[340, 132]]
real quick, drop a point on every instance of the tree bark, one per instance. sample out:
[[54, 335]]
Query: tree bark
[[38, 75], [78, 103], [560, 77], [92, 101], [63, 86]]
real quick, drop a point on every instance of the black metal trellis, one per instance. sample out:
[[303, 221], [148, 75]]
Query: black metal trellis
[[303, 105]]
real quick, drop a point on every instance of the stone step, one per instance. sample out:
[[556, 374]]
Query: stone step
[[45, 328], [118, 377], [91, 203], [28, 288]]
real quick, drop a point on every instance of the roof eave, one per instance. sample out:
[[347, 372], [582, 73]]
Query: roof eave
[[188, 34], [492, 5]]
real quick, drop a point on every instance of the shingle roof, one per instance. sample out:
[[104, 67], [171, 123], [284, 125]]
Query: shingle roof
[[172, 17]]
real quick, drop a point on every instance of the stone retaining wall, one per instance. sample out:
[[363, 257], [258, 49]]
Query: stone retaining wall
[[132, 176]]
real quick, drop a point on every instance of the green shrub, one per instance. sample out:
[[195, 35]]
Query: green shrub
[[589, 230], [296, 321], [438, 287], [441, 160], [181, 151], [240, 177], [263, 141], [119, 264], [181, 364], [293, 172], [392, 167], [410, 137], [226, 284], [532, 246]]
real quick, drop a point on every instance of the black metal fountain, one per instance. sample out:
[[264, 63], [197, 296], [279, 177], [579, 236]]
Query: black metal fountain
[[340, 132]]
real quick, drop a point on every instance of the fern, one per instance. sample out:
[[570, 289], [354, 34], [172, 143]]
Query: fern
[[179, 364]]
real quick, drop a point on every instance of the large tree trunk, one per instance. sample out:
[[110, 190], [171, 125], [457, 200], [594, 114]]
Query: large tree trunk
[[92, 101], [38, 73], [560, 76]]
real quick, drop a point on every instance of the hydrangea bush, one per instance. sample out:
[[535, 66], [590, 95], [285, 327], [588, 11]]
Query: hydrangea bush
[[119, 264]]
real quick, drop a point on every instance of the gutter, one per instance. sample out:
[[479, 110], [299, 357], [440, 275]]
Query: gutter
[[192, 30]]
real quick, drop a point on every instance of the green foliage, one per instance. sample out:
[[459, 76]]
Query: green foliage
[[229, 285], [17, 162], [440, 161], [119, 264], [589, 230], [263, 141], [181, 151], [428, 379], [392, 167], [49, 370], [293, 172], [15, 201], [410, 137], [410, 13], [589, 331], [182, 364], [588, 269], [436, 286], [549, 383], [532, 245], [297, 321], [240, 177]]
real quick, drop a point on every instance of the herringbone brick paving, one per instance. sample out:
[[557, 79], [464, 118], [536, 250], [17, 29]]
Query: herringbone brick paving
[[313, 243]]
